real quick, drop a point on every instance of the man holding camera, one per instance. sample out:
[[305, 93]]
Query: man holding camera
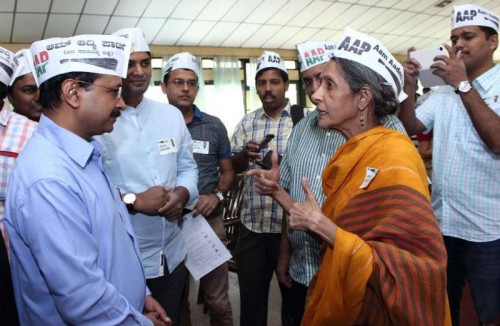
[[258, 244], [465, 117]]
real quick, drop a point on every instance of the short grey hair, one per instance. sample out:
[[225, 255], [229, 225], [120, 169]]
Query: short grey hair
[[358, 75]]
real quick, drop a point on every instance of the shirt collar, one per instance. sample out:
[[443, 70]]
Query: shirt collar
[[314, 118], [77, 148], [197, 113], [485, 81], [284, 112], [4, 115], [141, 105]]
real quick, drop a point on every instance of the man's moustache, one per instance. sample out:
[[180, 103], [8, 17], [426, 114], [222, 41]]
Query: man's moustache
[[116, 113]]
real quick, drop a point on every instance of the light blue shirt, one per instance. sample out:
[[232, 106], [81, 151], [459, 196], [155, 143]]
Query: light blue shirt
[[151, 146], [466, 174], [308, 151], [73, 254]]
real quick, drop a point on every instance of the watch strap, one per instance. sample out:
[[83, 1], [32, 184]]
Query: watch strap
[[219, 195]]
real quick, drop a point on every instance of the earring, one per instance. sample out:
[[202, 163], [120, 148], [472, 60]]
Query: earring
[[362, 119]]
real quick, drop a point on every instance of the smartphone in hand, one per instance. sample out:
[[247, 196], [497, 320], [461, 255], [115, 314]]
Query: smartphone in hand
[[263, 144], [426, 58]]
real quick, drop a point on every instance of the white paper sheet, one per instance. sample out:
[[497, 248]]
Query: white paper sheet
[[205, 251]]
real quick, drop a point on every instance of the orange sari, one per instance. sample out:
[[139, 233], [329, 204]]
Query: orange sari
[[388, 263]]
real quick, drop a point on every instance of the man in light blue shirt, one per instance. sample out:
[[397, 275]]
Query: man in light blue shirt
[[465, 119], [149, 157], [73, 251]]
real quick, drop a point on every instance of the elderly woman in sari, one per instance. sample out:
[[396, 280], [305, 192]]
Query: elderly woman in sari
[[384, 261]]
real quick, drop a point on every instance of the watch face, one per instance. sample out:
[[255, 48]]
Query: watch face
[[129, 198], [464, 86]]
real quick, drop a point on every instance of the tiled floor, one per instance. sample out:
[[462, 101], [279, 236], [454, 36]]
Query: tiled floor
[[468, 314], [199, 319]]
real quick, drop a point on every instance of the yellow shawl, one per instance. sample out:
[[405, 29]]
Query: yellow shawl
[[388, 263]]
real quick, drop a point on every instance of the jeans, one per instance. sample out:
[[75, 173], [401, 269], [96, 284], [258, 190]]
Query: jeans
[[479, 263]]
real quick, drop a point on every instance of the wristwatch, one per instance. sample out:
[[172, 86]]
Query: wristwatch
[[463, 87], [219, 195], [129, 200]]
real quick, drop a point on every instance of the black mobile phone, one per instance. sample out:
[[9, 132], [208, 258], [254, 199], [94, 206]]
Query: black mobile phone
[[263, 144]]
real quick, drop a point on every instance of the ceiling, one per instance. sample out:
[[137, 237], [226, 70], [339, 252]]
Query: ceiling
[[269, 24]]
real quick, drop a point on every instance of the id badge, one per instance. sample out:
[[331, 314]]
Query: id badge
[[167, 146], [370, 175], [200, 146]]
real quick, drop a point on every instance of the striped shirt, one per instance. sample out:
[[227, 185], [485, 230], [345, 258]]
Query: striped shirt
[[15, 130], [466, 174], [261, 214], [308, 151]]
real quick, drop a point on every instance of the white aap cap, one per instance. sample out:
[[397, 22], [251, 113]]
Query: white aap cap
[[473, 15], [313, 53], [6, 65], [184, 60], [100, 54], [23, 64], [371, 53], [136, 36], [270, 60]]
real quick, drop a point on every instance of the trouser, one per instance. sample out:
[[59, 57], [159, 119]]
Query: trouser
[[256, 258], [298, 294], [214, 288], [8, 310], [167, 290], [479, 263]]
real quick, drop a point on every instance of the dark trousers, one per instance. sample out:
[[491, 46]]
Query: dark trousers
[[298, 294], [167, 290], [256, 258], [479, 263], [8, 310]]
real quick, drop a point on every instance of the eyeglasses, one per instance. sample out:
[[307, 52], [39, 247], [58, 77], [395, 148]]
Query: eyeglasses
[[117, 91], [181, 82]]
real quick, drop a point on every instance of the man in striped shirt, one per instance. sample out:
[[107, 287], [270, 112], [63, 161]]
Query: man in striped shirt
[[15, 130], [259, 237]]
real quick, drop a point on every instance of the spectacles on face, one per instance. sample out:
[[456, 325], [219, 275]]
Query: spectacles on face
[[179, 83], [117, 91]]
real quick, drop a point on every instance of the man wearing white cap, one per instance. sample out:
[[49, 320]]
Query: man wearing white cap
[[149, 156], [23, 91], [74, 255], [15, 130], [258, 243], [308, 150], [465, 119], [212, 154]]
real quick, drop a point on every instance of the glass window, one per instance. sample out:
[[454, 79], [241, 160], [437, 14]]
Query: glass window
[[290, 65]]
